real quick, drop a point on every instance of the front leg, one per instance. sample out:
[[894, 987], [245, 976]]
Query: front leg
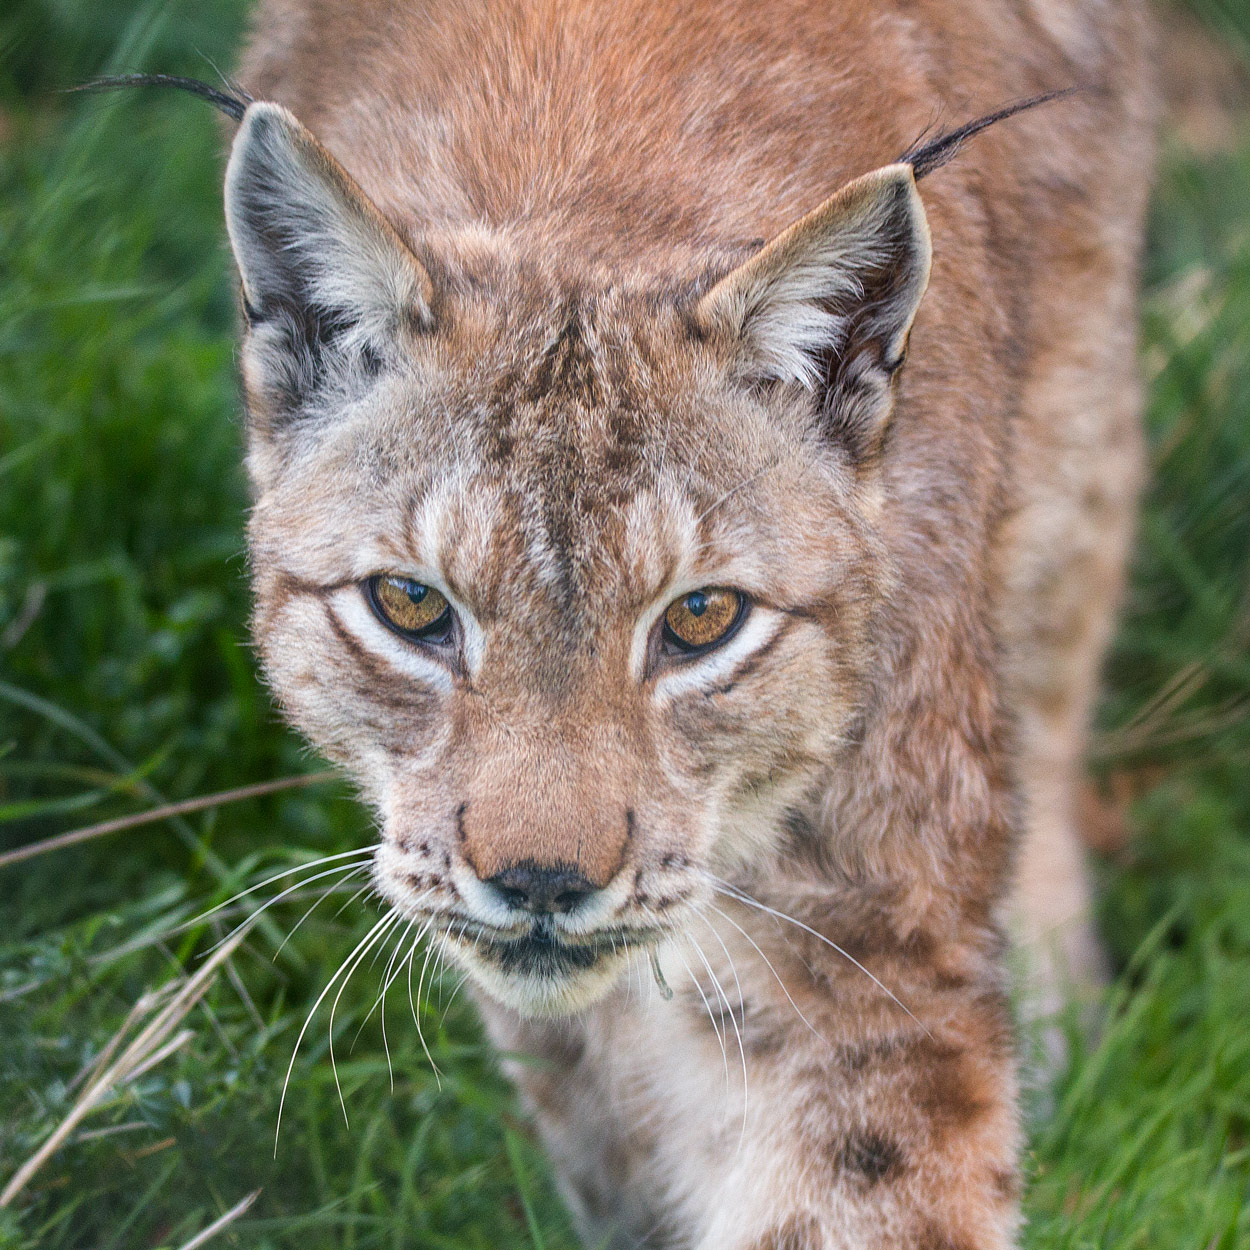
[[873, 1122], [571, 1074], [907, 1145]]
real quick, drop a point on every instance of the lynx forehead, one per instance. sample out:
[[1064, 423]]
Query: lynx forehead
[[698, 541]]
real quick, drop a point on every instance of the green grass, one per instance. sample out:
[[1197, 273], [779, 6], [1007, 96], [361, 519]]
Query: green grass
[[125, 675]]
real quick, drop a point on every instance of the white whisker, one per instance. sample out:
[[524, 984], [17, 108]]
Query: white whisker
[[387, 924], [438, 952], [431, 953], [742, 1053], [698, 950], [364, 889], [321, 898], [459, 984], [711, 1015], [456, 990], [723, 887], [341, 869], [388, 979], [359, 853], [412, 954], [814, 1032], [308, 1020]]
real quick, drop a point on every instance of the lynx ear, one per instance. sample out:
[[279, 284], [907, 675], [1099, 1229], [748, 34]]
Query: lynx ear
[[326, 279], [828, 303]]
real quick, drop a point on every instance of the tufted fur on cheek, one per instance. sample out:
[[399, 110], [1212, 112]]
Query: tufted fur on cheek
[[828, 304], [328, 285]]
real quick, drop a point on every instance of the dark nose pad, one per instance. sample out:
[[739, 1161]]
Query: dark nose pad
[[538, 889]]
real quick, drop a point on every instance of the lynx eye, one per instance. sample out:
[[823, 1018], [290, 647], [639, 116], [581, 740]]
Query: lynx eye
[[409, 607], [698, 621]]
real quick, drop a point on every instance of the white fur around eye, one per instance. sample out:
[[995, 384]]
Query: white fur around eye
[[474, 639], [408, 658], [717, 665], [642, 634]]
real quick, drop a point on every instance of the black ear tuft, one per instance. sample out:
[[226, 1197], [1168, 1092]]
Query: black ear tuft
[[926, 155], [234, 106]]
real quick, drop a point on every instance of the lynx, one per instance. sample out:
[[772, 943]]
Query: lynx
[[698, 539]]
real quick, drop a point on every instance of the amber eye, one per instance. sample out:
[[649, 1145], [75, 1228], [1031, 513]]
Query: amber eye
[[701, 619], [410, 608]]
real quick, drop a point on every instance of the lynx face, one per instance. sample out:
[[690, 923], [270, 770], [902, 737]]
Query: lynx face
[[574, 575]]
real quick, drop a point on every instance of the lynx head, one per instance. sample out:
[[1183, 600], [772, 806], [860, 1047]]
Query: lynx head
[[572, 570]]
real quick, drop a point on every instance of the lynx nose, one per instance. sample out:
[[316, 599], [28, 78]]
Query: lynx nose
[[533, 887]]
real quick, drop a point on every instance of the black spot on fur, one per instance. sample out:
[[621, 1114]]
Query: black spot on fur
[[871, 1156]]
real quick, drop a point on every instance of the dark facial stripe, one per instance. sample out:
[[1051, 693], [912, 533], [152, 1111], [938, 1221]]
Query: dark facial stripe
[[567, 368], [386, 686], [751, 663], [291, 584]]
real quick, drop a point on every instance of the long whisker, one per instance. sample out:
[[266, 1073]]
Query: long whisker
[[730, 892], [797, 1011], [388, 978], [436, 954], [321, 898], [432, 952], [384, 984], [720, 993], [358, 853], [444, 954], [711, 1015], [392, 918], [412, 954], [456, 990], [459, 984], [343, 870], [308, 1020], [742, 1053], [441, 963], [197, 920], [364, 889]]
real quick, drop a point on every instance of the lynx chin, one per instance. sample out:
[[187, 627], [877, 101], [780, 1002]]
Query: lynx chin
[[692, 506]]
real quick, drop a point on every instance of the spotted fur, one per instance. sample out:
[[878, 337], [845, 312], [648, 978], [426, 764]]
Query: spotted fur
[[569, 309]]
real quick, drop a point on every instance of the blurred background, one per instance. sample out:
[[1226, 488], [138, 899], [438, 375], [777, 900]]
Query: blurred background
[[141, 1076]]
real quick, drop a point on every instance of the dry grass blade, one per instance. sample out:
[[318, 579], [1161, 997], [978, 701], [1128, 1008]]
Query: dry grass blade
[[145, 1003], [1197, 725], [164, 812], [218, 1224], [149, 1046]]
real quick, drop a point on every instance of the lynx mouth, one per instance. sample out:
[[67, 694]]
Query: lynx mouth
[[541, 971], [540, 949], [540, 952]]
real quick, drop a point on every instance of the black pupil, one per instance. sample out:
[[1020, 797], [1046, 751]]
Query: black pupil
[[415, 591], [696, 604]]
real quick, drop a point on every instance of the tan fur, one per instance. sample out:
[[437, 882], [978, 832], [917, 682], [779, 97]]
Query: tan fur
[[581, 403]]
